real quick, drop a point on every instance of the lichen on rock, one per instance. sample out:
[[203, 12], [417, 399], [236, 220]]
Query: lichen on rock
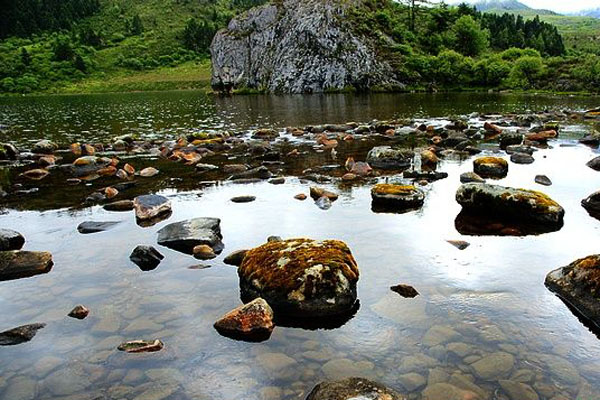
[[391, 197]]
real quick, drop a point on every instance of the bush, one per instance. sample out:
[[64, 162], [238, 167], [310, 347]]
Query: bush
[[525, 71], [469, 38], [452, 68]]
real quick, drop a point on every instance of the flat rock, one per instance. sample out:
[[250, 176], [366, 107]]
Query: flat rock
[[141, 346], [396, 197], [521, 158], [23, 264], [494, 366], [146, 257], [19, 334], [301, 277], [185, 235], [353, 389], [11, 240], [243, 199], [121, 205], [471, 177], [151, 206], [384, 157], [44, 147], [96, 226], [518, 390], [261, 172], [543, 180], [251, 322], [490, 167], [459, 244]]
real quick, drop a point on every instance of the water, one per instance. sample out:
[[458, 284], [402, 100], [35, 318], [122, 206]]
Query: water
[[488, 298]]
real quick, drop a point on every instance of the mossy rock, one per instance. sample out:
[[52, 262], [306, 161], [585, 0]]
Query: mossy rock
[[396, 197], [578, 284], [301, 277], [490, 167]]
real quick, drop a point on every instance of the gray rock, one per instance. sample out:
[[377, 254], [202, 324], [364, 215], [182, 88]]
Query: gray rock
[[19, 334], [297, 46], [521, 158], [243, 199], [44, 147], [185, 235], [471, 177], [96, 226], [508, 139], [151, 206], [520, 149], [121, 205], [543, 180], [353, 388], [411, 381], [384, 157], [146, 257], [494, 366], [11, 240], [446, 391], [323, 203], [23, 264], [261, 172], [594, 164], [518, 390]]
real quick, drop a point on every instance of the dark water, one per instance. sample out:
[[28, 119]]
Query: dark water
[[486, 299]]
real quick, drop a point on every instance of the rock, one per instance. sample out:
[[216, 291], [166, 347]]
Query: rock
[[146, 257], [316, 193], [439, 334], [521, 158], [300, 196], [111, 192], [520, 149], [251, 322], [151, 206], [490, 167], [266, 49], [11, 240], [185, 235], [243, 199], [578, 285], [459, 244], [277, 181], [469, 177], [593, 139], [396, 197], [8, 152], [201, 167], [129, 169], [44, 147], [96, 226], [141, 346], [405, 290], [23, 264], [543, 180], [384, 157], [235, 258], [274, 238], [121, 205], [265, 134], [19, 334], [323, 203], [541, 136], [79, 312], [446, 391], [256, 173], [491, 129], [203, 252], [301, 277], [149, 172], [518, 390], [36, 174], [527, 207], [361, 169], [353, 389], [429, 176], [428, 157], [594, 164], [494, 366], [412, 381], [234, 168], [84, 166], [510, 139]]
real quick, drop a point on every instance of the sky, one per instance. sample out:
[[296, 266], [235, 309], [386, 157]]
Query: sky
[[554, 5]]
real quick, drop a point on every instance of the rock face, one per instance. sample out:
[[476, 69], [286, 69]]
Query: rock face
[[301, 277], [20, 334], [23, 264], [384, 157], [578, 284], [185, 235], [11, 240], [353, 388], [524, 211], [251, 322], [396, 197], [297, 46]]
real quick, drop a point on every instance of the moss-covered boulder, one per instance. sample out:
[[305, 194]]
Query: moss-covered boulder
[[493, 209], [384, 157], [390, 197], [578, 284], [490, 167], [353, 389], [301, 277]]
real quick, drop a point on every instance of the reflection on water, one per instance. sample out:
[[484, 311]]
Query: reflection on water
[[483, 314]]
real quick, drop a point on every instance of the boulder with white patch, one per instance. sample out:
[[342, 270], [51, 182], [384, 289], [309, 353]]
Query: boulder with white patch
[[301, 277]]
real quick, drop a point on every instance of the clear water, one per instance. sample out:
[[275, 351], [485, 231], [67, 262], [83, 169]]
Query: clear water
[[491, 296]]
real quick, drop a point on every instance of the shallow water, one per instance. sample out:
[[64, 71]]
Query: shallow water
[[490, 297]]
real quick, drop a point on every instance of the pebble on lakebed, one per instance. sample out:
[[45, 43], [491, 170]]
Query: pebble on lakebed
[[141, 346]]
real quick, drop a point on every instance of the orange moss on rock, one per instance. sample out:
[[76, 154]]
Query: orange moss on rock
[[394, 190], [500, 162]]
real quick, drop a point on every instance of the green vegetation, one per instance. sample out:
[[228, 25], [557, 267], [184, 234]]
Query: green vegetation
[[125, 45]]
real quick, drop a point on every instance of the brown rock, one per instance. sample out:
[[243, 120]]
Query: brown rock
[[203, 252], [316, 193], [148, 172], [79, 312], [129, 169], [23, 264], [110, 192], [405, 290], [141, 346], [36, 174], [300, 196], [251, 322]]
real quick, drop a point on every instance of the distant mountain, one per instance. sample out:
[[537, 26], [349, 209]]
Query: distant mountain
[[594, 12], [513, 6]]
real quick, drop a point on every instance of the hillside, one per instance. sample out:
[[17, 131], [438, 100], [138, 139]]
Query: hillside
[[487, 5]]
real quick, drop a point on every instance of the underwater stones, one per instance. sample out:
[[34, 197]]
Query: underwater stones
[[520, 209], [251, 322], [243, 199], [141, 346], [11, 240], [578, 285], [446, 391], [490, 167], [44, 147], [146, 257], [521, 158], [405, 290], [494, 366], [543, 180], [353, 388], [412, 381], [518, 390], [261, 172], [79, 312], [301, 277], [384, 157], [20, 334], [23, 264], [185, 235], [151, 206], [236, 258], [594, 164], [396, 197], [121, 205], [471, 177], [87, 227]]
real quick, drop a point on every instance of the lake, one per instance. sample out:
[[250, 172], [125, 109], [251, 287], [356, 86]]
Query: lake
[[474, 304]]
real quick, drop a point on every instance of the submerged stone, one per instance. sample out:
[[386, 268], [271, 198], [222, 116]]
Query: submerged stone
[[405, 290], [79, 312], [19, 334], [301, 277], [23, 264], [11, 240], [578, 285], [323, 203], [185, 235], [151, 206], [146, 257], [141, 346], [255, 173], [353, 389], [96, 226], [384, 157], [390, 197], [490, 167], [251, 322]]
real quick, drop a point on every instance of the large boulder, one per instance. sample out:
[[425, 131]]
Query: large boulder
[[353, 389], [298, 46], [578, 284], [384, 157], [301, 277], [508, 211], [490, 167], [23, 264], [185, 235]]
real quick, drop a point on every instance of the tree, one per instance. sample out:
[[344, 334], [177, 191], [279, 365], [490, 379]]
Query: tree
[[197, 36], [470, 39], [79, 63], [136, 27], [63, 51], [413, 6], [25, 57]]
